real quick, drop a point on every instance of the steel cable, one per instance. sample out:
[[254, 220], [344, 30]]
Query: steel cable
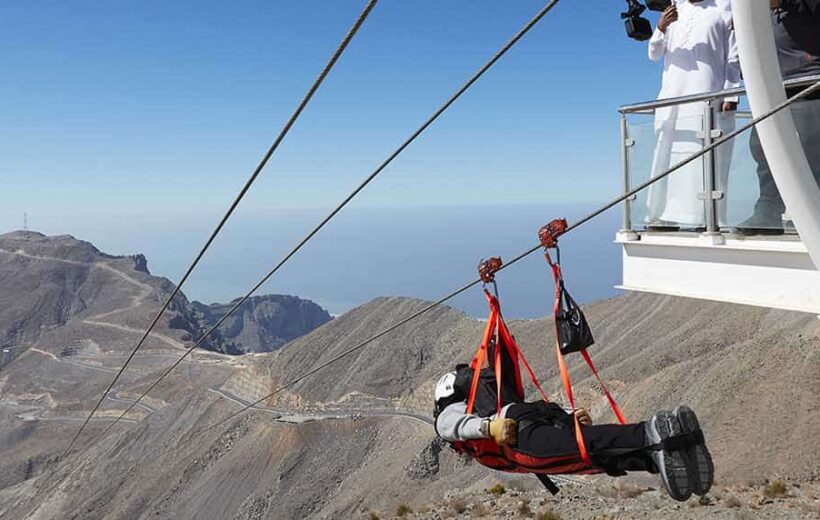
[[526, 28], [518, 258], [288, 125]]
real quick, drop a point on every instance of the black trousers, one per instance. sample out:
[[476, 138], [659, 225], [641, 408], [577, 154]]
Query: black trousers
[[546, 430], [806, 116]]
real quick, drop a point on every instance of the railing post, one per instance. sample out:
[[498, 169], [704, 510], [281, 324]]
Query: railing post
[[710, 193], [626, 233]]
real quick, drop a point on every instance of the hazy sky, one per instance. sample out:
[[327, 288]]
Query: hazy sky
[[120, 122]]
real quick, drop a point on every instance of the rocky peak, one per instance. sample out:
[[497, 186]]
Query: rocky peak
[[140, 263], [263, 323]]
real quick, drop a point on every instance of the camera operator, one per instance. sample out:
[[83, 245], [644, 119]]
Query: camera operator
[[695, 39], [796, 25]]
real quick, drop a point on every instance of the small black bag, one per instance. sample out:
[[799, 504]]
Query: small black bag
[[573, 331]]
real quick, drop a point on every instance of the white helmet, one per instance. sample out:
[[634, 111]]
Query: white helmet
[[446, 386]]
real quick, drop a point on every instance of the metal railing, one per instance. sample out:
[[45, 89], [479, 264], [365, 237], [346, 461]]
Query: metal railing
[[648, 107], [711, 193]]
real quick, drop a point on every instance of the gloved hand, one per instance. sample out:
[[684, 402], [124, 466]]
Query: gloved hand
[[503, 431]]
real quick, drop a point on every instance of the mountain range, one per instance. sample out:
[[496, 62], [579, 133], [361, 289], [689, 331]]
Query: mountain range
[[355, 437]]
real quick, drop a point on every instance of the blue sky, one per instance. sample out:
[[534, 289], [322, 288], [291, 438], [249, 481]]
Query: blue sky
[[111, 113]]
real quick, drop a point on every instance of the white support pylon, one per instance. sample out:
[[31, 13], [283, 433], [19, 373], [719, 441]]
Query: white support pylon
[[778, 134]]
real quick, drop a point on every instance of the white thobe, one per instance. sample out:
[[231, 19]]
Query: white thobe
[[699, 55]]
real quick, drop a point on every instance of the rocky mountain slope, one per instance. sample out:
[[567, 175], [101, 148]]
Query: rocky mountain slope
[[263, 323], [355, 438], [48, 281], [40, 295], [753, 374]]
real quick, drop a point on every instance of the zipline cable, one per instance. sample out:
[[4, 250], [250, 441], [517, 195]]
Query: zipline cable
[[475, 77], [288, 125], [518, 258]]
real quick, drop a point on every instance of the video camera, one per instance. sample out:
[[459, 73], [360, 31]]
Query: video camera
[[638, 27]]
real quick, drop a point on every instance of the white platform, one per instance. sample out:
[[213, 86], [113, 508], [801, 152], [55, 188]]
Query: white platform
[[768, 272]]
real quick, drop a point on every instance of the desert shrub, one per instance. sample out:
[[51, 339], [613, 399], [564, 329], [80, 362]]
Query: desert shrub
[[776, 489], [497, 490], [459, 505], [732, 501], [549, 514], [403, 510], [619, 490], [480, 510], [606, 489], [524, 509], [700, 501], [519, 484], [374, 516]]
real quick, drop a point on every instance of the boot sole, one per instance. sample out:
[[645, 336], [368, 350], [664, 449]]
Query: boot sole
[[672, 464], [698, 459]]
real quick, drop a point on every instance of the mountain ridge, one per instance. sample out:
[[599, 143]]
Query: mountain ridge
[[354, 437], [264, 323]]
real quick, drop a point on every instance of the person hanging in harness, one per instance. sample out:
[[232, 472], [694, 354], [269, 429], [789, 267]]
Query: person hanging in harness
[[543, 430], [480, 409]]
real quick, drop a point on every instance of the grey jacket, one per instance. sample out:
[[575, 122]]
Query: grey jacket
[[453, 424]]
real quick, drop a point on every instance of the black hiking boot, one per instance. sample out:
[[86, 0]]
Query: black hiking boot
[[698, 460], [671, 464]]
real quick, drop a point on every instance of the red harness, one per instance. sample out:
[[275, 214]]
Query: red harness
[[486, 451], [504, 458]]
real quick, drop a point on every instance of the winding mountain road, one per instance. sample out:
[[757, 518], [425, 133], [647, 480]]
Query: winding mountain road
[[138, 299], [291, 417], [294, 417]]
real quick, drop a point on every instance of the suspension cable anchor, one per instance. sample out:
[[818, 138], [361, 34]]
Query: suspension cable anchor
[[488, 268], [548, 235]]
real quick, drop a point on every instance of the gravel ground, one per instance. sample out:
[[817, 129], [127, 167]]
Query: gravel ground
[[608, 500]]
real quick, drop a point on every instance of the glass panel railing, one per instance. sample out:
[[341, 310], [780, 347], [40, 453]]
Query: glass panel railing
[[656, 144], [750, 203], [742, 191], [641, 147], [753, 204]]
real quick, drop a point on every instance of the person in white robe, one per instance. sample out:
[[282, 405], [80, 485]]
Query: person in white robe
[[695, 39]]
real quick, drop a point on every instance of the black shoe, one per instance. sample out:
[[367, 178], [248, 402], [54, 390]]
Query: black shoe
[[762, 223], [698, 460], [671, 464]]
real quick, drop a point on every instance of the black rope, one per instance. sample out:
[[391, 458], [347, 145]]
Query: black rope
[[464, 288], [529, 25], [288, 125]]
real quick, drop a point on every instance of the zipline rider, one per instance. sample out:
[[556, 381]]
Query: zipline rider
[[480, 408], [543, 432]]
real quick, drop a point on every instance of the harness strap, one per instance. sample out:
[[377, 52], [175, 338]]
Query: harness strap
[[558, 278], [548, 483], [497, 363], [497, 328], [532, 375], [480, 358], [508, 339], [562, 364], [579, 436], [615, 408], [680, 442]]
